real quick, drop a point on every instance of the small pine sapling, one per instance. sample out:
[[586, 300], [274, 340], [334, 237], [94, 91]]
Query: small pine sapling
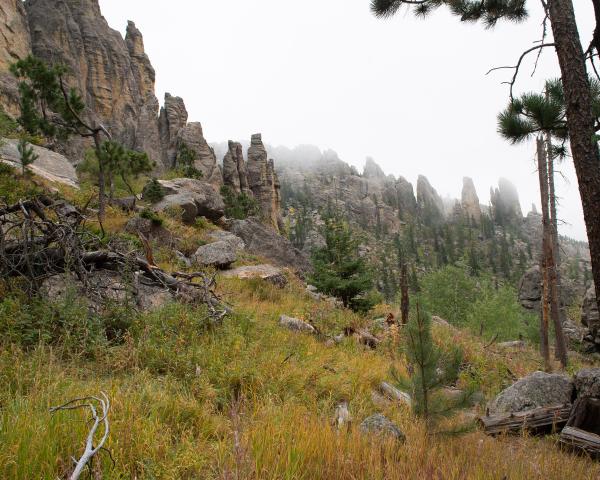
[[26, 154]]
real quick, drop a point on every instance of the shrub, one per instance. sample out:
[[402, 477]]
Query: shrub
[[185, 162], [153, 191], [239, 206], [8, 126], [151, 215]]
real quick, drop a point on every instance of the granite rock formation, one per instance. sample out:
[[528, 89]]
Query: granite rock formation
[[506, 207], [431, 205], [15, 44], [235, 175], [264, 183], [113, 74], [192, 136], [470, 201]]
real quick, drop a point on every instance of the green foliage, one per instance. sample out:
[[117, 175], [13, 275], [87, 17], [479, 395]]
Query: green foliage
[[449, 293], [185, 162], [12, 186], [64, 321], [153, 191], [127, 164], [239, 206], [48, 107], [497, 314], [339, 270], [27, 155], [151, 215], [8, 127], [430, 369]]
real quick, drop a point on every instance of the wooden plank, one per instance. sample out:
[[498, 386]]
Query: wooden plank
[[581, 440], [537, 420]]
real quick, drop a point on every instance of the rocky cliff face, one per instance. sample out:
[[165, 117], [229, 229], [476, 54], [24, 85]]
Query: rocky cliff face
[[506, 207], [431, 206], [15, 44], [113, 74], [470, 201], [235, 174]]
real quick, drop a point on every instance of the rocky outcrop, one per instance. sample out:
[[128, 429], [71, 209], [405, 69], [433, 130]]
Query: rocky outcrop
[[264, 183], [113, 74], [195, 198], [587, 383], [49, 165], [219, 254], [235, 174], [372, 170], [206, 161], [539, 389], [590, 316], [470, 201], [431, 206], [264, 241], [506, 207], [15, 44], [173, 117], [530, 288]]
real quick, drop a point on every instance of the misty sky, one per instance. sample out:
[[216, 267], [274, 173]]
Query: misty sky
[[410, 93]]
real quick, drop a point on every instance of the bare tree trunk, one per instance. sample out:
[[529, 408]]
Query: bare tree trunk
[[544, 344], [580, 120], [557, 313], [404, 300]]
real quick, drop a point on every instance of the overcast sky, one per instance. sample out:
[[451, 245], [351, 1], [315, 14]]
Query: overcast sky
[[410, 93]]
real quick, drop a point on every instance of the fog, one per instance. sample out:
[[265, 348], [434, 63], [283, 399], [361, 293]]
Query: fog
[[413, 94]]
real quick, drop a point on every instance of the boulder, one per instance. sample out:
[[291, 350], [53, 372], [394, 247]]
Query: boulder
[[218, 254], [196, 197], [379, 425], [49, 165], [295, 324], [221, 235], [264, 241], [268, 273], [538, 389], [587, 383]]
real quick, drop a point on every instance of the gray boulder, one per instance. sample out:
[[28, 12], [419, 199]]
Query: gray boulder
[[221, 235], [538, 389], [587, 383], [295, 324], [49, 165], [149, 229], [218, 254], [264, 241], [195, 197], [379, 425]]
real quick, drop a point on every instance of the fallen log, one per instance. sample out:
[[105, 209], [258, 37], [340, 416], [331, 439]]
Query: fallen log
[[536, 421], [577, 439]]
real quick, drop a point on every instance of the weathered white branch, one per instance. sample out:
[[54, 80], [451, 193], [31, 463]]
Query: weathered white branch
[[98, 418]]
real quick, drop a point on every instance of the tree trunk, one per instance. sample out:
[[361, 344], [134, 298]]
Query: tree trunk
[[580, 121], [543, 177], [404, 300]]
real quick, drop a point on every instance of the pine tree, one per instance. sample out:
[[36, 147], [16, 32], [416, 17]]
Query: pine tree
[[153, 191], [339, 270], [429, 371], [26, 155], [51, 109]]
